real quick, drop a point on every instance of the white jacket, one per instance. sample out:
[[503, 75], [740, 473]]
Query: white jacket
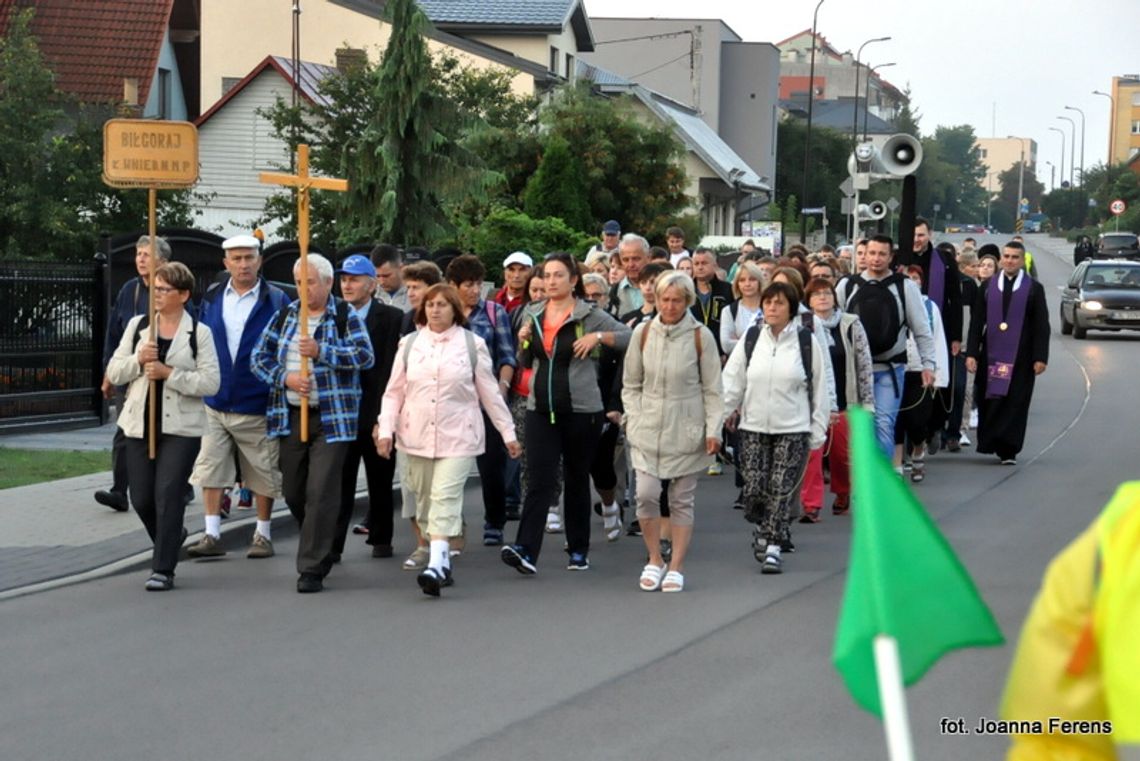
[[183, 411], [941, 354], [771, 392]]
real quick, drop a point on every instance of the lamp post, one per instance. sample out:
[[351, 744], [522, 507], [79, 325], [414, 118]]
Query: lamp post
[[867, 95], [1082, 113], [1111, 125], [1052, 174], [1020, 176], [855, 109], [1072, 147], [807, 136], [1061, 132]]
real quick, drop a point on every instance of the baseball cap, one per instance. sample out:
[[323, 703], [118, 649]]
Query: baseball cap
[[518, 257], [357, 265], [241, 241], [612, 227]]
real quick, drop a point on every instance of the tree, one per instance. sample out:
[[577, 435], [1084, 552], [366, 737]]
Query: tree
[[557, 189], [907, 120], [829, 150]]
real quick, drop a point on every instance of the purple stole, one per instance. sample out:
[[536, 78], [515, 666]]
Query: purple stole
[[936, 285], [1003, 334]]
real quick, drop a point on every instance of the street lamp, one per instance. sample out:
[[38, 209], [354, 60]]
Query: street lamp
[[855, 115], [867, 95], [1052, 174], [1072, 147], [1111, 125], [1020, 176], [807, 137], [1061, 132], [1082, 113]]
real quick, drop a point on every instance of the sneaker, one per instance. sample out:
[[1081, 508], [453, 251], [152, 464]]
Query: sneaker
[[514, 556], [772, 563], [431, 580], [974, 419], [786, 545], [418, 560], [578, 562], [492, 537], [309, 583], [964, 440], [159, 582], [113, 499], [716, 468], [209, 546], [245, 499], [553, 522], [611, 523], [739, 503], [260, 547], [360, 529], [1009, 461], [634, 528]]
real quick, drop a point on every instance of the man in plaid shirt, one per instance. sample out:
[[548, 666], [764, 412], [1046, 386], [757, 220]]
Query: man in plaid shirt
[[338, 347], [490, 322]]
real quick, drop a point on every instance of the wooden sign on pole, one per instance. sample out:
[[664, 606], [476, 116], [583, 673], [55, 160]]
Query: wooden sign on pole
[[151, 154], [303, 181]]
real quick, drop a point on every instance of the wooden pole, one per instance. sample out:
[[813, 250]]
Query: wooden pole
[[303, 243], [152, 320]]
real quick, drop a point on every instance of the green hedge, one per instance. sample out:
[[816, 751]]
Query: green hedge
[[505, 230]]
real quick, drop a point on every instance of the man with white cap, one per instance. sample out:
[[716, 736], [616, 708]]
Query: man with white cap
[[384, 324], [237, 311], [516, 269]]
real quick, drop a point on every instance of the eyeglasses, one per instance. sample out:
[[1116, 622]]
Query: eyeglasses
[[164, 290]]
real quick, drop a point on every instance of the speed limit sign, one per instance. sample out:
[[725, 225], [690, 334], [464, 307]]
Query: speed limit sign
[[1117, 207]]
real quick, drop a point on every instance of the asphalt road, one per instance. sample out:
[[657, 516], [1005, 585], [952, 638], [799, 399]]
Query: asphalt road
[[235, 664]]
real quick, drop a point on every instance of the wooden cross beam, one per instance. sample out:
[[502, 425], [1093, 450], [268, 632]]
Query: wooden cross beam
[[303, 182]]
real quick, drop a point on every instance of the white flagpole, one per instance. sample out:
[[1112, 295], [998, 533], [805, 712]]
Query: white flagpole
[[896, 724]]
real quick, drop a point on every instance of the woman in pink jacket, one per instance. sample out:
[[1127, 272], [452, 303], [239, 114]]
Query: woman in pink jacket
[[431, 407]]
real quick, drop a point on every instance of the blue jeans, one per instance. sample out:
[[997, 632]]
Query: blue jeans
[[888, 397]]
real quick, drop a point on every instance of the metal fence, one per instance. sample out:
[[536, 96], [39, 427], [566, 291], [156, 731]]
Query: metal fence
[[51, 318]]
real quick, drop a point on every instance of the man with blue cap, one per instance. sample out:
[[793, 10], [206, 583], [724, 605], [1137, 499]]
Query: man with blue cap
[[383, 324], [237, 310]]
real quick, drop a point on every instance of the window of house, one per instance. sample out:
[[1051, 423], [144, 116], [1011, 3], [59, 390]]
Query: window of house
[[553, 60], [1136, 98], [982, 153], [569, 65], [1136, 126], [164, 93]]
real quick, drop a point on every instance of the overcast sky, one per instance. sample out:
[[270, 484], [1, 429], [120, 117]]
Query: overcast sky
[[960, 57]]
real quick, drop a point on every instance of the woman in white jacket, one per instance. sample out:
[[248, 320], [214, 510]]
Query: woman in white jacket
[[177, 353], [672, 431], [780, 415]]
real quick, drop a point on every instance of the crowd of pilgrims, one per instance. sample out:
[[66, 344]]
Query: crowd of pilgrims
[[629, 374]]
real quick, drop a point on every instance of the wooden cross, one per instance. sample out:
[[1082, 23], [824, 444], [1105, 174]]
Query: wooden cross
[[303, 181]]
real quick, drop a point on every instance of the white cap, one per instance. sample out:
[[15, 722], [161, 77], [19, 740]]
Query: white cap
[[241, 241], [518, 257]]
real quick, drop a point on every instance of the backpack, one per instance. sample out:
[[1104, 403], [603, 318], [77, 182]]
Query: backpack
[[696, 342], [752, 335], [489, 305], [472, 352], [883, 315], [145, 321]]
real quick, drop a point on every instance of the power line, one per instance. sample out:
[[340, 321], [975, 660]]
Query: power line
[[660, 65]]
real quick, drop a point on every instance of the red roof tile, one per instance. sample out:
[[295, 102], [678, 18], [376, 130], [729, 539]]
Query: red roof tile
[[93, 46]]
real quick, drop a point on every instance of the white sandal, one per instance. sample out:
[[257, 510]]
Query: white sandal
[[611, 522], [650, 580], [553, 522], [674, 582]]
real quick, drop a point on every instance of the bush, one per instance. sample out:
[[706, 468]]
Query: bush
[[506, 230]]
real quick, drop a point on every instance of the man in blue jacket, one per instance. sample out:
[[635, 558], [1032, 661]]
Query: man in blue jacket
[[237, 311]]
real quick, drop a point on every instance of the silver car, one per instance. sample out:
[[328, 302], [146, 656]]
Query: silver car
[[1101, 295]]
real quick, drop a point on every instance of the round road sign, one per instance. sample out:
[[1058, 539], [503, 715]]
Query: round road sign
[[1117, 207]]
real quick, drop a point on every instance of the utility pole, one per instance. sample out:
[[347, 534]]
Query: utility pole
[[807, 137]]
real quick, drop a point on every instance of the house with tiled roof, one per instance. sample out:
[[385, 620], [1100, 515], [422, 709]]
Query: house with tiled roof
[[236, 143], [107, 52], [537, 41]]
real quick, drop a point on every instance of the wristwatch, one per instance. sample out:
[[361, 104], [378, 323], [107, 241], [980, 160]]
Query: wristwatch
[[599, 335]]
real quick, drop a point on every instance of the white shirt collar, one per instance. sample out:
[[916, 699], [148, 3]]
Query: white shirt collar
[[1016, 282]]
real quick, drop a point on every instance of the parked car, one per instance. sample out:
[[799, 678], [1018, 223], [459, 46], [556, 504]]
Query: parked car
[[1101, 295], [1117, 245]]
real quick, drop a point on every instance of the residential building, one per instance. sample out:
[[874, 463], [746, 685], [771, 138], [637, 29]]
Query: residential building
[[998, 154], [521, 33], [1124, 125], [116, 51], [706, 69], [835, 77]]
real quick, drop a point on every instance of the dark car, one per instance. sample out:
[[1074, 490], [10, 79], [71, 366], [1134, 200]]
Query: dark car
[[1117, 246], [1101, 295]]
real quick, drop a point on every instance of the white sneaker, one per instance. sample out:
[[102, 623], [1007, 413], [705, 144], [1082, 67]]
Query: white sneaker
[[974, 419], [553, 522], [964, 440]]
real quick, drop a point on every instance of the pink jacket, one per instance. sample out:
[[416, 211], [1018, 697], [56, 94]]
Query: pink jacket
[[431, 403]]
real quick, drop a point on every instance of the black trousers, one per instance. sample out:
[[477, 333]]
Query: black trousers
[[379, 474], [119, 477], [157, 487], [602, 469], [492, 466], [570, 441], [311, 474]]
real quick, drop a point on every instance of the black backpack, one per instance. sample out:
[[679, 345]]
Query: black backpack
[[145, 321], [882, 314], [803, 333]]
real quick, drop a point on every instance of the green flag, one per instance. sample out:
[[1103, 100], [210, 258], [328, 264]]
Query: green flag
[[903, 579]]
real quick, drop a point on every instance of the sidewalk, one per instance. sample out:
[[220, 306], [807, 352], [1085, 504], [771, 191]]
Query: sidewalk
[[55, 531]]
